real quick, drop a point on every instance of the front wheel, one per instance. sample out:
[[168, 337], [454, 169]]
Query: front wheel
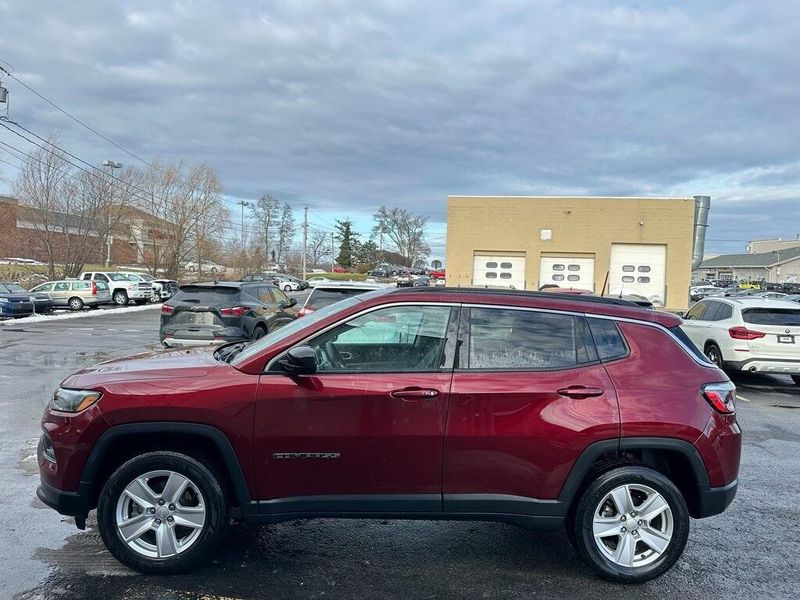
[[287, 288], [162, 512], [75, 303], [714, 355], [631, 525]]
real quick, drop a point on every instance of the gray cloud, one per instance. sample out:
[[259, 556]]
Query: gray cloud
[[350, 105]]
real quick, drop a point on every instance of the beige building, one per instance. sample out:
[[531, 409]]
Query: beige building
[[605, 245]]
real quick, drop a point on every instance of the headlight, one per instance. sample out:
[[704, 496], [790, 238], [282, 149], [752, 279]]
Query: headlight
[[74, 400], [3, 299]]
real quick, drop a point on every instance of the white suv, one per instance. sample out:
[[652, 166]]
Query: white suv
[[747, 334]]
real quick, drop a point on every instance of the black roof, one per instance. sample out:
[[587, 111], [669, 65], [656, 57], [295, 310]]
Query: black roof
[[228, 284], [521, 294]]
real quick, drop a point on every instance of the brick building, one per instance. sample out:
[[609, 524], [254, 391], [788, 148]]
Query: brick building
[[136, 234]]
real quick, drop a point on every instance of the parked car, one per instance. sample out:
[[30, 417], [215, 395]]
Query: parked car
[[338, 269], [324, 294], [438, 274], [748, 334], [225, 311], [770, 295], [287, 284], [368, 408], [301, 282], [205, 266], [317, 279], [41, 301], [268, 276], [156, 296], [122, 288], [701, 291], [421, 281], [75, 294], [15, 304], [169, 287], [793, 298]]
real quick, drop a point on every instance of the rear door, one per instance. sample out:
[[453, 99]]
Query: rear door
[[528, 396], [60, 293]]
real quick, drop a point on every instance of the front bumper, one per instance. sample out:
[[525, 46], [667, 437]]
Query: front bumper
[[71, 504]]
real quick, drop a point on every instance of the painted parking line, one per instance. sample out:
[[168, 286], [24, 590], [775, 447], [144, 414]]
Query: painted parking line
[[740, 397]]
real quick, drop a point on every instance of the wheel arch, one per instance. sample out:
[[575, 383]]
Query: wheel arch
[[203, 442], [676, 459]]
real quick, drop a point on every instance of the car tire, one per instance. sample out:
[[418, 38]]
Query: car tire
[[75, 304], [155, 298], [184, 529], [714, 354], [287, 288], [259, 331], [120, 298], [636, 549]]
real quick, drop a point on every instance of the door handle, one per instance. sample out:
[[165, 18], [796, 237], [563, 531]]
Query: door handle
[[414, 393], [579, 392]]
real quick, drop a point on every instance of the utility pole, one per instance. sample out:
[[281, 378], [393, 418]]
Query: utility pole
[[305, 239], [333, 253], [109, 238]]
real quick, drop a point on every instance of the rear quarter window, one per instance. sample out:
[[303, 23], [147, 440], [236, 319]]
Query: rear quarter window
[[607, 339]]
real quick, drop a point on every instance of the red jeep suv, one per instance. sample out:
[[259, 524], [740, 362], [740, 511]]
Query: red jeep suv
[[542, 410]]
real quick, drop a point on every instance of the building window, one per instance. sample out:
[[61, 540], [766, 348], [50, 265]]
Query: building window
[[573, 277], [558, 277], [644, 269], [491, 265], [558, 267], [505, 275], [574, 268], [627, 279], [505, 265], [491, 275], [643, 280], [628, 268]]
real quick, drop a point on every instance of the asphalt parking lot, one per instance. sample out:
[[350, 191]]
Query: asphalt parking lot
[[751, 551]]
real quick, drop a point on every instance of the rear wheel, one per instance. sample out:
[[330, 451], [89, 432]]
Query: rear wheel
[[631, 525], [75, 303], [162, 512], [259, 331], [713, 354], [287, 288]]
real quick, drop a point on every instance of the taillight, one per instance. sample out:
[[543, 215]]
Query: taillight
[[94, 288], [721, 396], [743, 333], [166, 309], [234, 311]]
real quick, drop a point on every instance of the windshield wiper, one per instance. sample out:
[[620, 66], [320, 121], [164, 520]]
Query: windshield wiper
[[227, 353]]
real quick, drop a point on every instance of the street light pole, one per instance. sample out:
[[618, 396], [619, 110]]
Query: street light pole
[[111, 164]]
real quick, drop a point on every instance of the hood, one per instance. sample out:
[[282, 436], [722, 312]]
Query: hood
[[161, 364], [16, 297]]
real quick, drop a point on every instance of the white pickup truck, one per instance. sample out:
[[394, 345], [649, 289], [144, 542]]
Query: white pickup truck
[[123, 289]]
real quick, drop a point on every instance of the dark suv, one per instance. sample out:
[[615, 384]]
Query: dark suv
[[225, 311], [542, 410]]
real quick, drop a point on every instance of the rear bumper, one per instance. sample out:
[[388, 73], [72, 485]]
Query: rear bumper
[[714, 500], [777, 366]]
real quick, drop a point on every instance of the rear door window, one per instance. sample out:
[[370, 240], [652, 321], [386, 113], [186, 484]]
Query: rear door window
[[81, 285], [521, 340], [712, 311], [784, 317]]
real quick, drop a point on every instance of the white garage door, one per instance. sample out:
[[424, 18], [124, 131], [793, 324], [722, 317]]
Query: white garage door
[[567, 272], [499, 270], [638, 269]]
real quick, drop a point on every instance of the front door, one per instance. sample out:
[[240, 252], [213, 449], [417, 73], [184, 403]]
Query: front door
[[528, 395], [366, 431]]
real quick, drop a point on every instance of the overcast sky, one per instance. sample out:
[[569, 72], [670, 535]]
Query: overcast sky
[[344, 106]]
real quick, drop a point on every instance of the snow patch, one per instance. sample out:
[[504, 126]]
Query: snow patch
[[79, 314]]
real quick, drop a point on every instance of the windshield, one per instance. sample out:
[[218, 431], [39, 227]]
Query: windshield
[[13, 287], [118, 277], [140, 276], [292, 328]]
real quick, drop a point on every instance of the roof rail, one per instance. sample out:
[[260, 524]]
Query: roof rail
[[523, 294]]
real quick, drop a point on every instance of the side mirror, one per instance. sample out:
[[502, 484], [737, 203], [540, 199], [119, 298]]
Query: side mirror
[[300, 360], [292, 301]]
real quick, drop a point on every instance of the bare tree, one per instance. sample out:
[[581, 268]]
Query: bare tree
[[318, 248], [181, 210], [286, 231], [41, 187], [404, 230], [267, 212]]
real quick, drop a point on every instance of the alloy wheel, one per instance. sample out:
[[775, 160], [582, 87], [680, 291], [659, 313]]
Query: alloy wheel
[[633, 525], [160, 514], [713, 355]]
